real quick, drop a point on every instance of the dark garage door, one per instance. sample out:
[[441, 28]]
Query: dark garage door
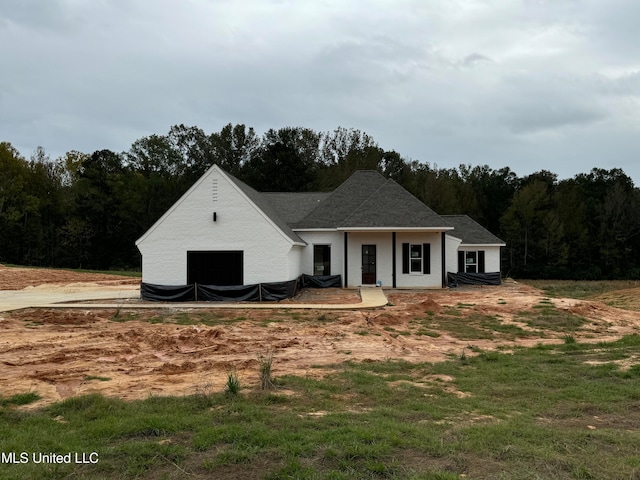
[[215, 268]]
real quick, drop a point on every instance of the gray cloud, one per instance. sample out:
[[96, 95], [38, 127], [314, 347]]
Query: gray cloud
[[533, 84]]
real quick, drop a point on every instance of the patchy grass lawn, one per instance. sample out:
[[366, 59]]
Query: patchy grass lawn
[[580, 289], [474, 326], [546, 317], [623, 294], [555, 412]]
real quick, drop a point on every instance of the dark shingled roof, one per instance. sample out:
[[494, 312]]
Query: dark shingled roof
[[470, 231], [393, 206], [367, 199], [343, 201], [293, 207], [261, 202]]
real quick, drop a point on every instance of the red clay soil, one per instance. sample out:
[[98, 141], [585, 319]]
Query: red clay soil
[[17, 278], [133, 354]]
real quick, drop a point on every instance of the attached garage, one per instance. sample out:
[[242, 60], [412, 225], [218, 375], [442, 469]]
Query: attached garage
[[218, 267], [221, 232]]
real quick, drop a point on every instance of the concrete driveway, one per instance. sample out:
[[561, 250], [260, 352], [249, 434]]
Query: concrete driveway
[[75, 296], [48, 295]]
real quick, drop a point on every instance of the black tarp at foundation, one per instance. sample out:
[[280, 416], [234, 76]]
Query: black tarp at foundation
[[321, 281], [267, 292], [167, 293], [270, 292], [456, 279], [233, 293]]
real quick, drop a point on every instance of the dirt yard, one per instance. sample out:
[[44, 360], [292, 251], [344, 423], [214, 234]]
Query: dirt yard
[[19, 278], [133, 354]]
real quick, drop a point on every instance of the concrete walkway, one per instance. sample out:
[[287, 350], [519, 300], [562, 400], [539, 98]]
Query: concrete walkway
[[68, 298], [45, 296]]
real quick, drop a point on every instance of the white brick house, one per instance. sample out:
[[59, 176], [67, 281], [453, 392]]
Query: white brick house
[[369, 231]]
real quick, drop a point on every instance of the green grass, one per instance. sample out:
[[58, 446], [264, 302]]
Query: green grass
[[215, 317], [19, 399], [546, 316], [542, 412], [474, 326], [465, 305], [96, 377], [395, 333], [427, 333], [232, 387], [209, 318], [579, 289]]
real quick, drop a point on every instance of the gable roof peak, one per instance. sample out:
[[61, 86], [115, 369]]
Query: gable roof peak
[[367, 199]]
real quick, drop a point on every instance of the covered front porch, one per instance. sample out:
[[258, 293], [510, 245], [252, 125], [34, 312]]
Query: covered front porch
[[394, 258]]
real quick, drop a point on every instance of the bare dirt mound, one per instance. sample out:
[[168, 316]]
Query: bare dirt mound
[[132, 354], [628, 299], [16, 278]]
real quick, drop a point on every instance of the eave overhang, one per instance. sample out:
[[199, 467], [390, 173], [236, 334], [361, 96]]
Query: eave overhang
[[394, 229], [476, 245]]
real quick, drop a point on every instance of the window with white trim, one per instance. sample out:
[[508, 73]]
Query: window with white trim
[[321, 260], [471, 261], [416, 258]]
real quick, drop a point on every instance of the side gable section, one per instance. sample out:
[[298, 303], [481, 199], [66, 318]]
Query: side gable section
[[264, 206], [216, 191], [471, 232]]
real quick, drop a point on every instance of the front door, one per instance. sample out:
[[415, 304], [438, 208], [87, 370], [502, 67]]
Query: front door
[[368, 264]]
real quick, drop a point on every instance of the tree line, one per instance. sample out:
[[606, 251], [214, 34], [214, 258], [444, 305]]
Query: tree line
[[86, 210]]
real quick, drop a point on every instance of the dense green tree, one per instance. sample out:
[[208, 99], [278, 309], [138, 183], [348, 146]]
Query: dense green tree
[[30, 206], [493, 191], [195, 151], [41, 227], [344, 151], [160, 168], [611, 215], [98, 209], [233, 147], [286, 161], [88, 210], [439, 188], [526, 222], [572, 213], [15, 204], [395, 167]]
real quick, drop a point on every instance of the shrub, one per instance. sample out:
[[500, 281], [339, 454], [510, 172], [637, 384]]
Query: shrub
[[232, 387], [265, 362]]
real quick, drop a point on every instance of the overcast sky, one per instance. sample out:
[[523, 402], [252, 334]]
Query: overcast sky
[[528, 84]]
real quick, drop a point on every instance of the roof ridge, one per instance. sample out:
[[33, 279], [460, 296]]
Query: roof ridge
[[366, 199], [315, 192], [338, 190]]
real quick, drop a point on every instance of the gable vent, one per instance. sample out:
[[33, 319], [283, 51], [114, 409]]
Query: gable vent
[[214, 190]]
